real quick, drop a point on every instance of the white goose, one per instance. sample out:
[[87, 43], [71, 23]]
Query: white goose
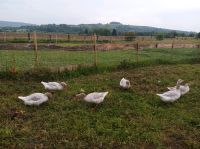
[[95, 97], [54, 85], [35, 98], [124, 83], [172, 95], [183, 88]]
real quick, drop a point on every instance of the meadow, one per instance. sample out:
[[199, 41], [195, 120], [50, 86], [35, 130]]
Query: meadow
[[135, 118], [25, 60]]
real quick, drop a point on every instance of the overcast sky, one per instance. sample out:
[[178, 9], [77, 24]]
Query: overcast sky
[[172, 14]]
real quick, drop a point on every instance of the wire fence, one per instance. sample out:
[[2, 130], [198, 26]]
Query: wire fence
[[26, 56], [56, 38]]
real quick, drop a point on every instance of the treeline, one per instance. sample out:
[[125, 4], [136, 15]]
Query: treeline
[[112, 29]]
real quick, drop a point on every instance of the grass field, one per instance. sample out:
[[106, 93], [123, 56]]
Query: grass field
[[127, 119], [24, 60]]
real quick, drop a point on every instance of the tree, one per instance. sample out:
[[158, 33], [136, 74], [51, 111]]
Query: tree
[[114, 32], [129, 36], [191, 35], [86, 31], [174, 34], [101, 32], [159, 36], [198, 35]]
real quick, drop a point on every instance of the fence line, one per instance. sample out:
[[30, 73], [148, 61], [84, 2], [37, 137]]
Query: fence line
[[13, 37], [53, 36], [94, 48]]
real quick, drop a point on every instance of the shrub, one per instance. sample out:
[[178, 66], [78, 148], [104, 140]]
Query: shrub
[[159, 37], [129, 36], [198, 35]]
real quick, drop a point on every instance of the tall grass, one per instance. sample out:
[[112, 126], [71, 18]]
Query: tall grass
[[106, 61], [55, 58]]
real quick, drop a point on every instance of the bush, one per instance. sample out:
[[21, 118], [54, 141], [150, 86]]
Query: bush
[[198, 35], [159, 37], [129, 36], [114, 32]]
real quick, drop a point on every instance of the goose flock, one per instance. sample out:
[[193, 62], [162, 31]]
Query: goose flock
[[173, 93]]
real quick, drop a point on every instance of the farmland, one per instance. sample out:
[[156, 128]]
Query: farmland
[[73, 77], [134, 118], [25, 60]]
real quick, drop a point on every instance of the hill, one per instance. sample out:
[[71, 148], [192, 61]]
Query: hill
[[100, 29], [106, 28], [13, 24]]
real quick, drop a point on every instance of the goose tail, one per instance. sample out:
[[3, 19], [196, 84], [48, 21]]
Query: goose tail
[[22, 98], [160, 95], [106, 93], [44, 84]]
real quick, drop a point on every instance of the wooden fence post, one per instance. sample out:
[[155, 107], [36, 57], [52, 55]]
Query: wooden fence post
[[68, 37], [172, 44], [13, 69], [156, 46], [5, 38], [36, 49], [84, 38], [50, 36], [111, 39], [95, 50], [56, 39], [29, 36], [137, 55], [92, 37], [97, 39]]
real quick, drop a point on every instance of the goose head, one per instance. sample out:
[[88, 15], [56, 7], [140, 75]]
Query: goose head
[[128, 83], [63, 84], [178, 83], [186, 84], [80, 96], [48, 94]]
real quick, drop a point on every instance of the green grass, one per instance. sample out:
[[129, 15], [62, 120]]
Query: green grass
[[126, 119], [25, 60]]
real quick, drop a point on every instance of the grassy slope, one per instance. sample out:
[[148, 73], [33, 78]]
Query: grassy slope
[[25, 59], [134, 118]]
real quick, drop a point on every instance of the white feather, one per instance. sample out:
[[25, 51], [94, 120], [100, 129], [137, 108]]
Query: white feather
[[124, 83], [52, 85], [96, 97], [34, 99], [170, 96], [183, 88]]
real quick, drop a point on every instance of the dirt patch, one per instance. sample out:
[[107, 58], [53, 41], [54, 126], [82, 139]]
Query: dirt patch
[[90, 47]]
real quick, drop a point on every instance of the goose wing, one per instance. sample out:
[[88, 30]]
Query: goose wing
[[171, 93], [95, 97], [171, 88], [52, 85]]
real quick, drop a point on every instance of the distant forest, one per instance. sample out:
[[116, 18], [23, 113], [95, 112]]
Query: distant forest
[[111, 29]]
